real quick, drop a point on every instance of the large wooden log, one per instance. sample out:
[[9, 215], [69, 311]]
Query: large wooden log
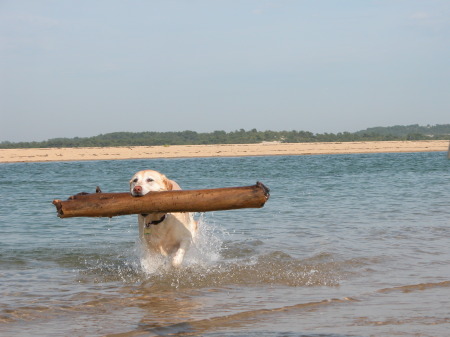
[[114, 204]]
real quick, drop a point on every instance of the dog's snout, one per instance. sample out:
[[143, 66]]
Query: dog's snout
[[137, 189]]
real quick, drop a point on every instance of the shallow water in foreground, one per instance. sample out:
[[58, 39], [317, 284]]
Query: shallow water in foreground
[[347, 245]]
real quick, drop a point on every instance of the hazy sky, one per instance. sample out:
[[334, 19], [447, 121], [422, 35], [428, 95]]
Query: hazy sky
[[82, 68]]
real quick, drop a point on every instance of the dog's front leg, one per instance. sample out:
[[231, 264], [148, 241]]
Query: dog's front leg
[[179, 255]]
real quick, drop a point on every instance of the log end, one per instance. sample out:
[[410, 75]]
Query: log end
[[265, 189], [58, 206]]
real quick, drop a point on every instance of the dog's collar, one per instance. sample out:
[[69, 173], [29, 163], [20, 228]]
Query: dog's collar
[[155, 222]]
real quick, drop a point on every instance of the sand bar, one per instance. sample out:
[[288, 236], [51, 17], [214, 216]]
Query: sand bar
[[226, 150]]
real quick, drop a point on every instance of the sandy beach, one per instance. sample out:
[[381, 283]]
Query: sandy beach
[[226, 150]]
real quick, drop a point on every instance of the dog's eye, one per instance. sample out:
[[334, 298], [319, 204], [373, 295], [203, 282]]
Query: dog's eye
[[135, 180], [149, 180]]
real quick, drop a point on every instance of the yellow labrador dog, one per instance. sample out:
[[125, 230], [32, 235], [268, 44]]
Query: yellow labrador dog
[[170, 234]]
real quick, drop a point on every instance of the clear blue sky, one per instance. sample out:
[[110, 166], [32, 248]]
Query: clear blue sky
[[82, 68]]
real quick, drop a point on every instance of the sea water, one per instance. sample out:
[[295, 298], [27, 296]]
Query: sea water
[[347, 245]]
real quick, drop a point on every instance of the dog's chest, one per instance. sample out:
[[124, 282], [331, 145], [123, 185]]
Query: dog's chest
[[151, 232]]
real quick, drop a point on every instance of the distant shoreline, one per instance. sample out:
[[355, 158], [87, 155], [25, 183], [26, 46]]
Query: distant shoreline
[[224, 150]]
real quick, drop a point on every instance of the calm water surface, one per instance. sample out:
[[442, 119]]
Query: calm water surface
[[347, 245]]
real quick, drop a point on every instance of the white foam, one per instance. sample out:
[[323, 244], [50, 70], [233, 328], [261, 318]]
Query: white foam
[[204, 251]]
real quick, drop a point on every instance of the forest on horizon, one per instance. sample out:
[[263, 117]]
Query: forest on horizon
[[152, 138]]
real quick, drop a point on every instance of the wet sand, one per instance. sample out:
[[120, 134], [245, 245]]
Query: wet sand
[[225, 150]]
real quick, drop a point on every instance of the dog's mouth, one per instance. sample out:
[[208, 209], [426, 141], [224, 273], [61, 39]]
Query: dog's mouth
[[141, 194]]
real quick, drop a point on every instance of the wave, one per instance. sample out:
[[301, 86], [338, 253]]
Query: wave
[[94, 271], [228, 321], [274, 268], [212, 262], [248, 318], [416, 287]]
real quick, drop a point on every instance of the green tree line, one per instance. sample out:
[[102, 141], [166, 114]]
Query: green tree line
[[410, 132]]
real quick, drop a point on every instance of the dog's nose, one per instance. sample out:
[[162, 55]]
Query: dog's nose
[[137, 189]]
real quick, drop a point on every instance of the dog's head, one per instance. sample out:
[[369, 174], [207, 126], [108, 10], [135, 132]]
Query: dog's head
[[149, 181]]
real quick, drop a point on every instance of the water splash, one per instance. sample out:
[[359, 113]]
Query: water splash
[[213, 262], [205, 250]]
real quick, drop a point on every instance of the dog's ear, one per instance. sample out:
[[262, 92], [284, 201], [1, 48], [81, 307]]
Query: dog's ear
[[168, 184]]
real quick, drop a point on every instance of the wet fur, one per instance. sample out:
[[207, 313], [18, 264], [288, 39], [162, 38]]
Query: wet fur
[[171, 237]]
